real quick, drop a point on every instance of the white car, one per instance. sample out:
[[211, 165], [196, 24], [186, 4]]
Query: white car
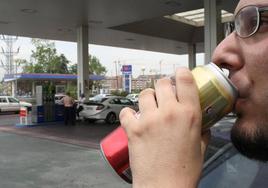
[[108, 108], [99, 97], [11, 104], [134, 97]]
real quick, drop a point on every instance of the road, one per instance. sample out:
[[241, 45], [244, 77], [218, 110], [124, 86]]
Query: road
[[56, 156]]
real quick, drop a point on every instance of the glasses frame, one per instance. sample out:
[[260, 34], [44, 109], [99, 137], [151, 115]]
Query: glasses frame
[[259, 10]]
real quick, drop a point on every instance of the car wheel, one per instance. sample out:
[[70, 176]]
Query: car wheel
[[110, 118]]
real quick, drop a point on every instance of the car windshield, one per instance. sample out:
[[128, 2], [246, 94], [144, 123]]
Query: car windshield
[[13, 100], [231, 169], [98, 99], [225, 167]]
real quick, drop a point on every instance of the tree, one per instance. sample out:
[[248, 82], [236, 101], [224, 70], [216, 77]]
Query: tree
[[44, 59], [73, 69], [95, 67]]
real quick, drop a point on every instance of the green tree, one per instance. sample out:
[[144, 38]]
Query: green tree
[[73, 69], [44, 59], [95, 67], [1, 87]]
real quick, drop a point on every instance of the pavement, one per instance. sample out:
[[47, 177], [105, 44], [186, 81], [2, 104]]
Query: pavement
[[53, 155]]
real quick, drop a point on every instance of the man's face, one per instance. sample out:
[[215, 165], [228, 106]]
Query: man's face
[[247, 61]]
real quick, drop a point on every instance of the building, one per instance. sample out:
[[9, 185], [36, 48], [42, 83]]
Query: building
[[112, 83]]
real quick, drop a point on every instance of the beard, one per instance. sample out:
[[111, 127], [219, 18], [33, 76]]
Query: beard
[[251, 142]]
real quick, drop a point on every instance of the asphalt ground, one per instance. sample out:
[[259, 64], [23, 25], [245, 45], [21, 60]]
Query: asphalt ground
[[53, 155]]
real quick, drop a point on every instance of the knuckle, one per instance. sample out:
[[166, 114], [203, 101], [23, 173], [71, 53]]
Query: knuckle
[[192, 114], [123, 116], [171, 114], [146, 92], [136, 131], [163, 81], [184, 75]]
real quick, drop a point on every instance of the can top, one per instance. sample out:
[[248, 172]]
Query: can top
[[223, 79]]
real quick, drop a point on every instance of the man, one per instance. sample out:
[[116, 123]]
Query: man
[[166, 147], [69, 112]]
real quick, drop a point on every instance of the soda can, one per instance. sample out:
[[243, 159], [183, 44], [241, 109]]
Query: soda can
[[217, 96]]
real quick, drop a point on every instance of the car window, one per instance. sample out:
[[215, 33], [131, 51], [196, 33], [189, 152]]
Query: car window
[[125, 101], [12, 100], [3, 100], [232, 169], [115, 101]]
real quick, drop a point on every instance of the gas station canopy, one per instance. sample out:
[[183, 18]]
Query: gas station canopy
[[155, 25]]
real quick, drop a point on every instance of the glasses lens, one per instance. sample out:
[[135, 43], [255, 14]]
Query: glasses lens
[[246, 21]]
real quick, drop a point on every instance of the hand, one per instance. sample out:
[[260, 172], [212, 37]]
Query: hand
[[166, 148]]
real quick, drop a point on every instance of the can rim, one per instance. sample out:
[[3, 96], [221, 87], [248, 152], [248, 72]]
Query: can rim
[[225, 80], [111, 168]]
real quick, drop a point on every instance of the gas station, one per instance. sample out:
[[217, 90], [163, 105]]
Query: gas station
[[170, 26], [167, 26]]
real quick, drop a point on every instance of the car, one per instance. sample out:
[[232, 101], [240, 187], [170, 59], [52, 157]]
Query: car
[[106, 108], [99, 97], [134, 97], [225, 167], [11, 104]]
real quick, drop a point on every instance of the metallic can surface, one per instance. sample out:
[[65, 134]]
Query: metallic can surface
[[216, 93], [217, 96]]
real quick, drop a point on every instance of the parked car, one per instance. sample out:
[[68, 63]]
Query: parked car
[[99, 97], [226, 167], [107, 108], [134, 97], [11, 104]]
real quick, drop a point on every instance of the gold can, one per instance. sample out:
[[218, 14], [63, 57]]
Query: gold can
[[216, 92]]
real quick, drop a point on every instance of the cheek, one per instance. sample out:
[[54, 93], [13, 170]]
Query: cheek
[[256, 61], [256, 71]]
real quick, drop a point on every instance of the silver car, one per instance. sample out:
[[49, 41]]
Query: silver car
[[107, 108], [11, 104]]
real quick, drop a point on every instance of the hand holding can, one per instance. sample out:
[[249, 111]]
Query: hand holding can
[[166, 141]]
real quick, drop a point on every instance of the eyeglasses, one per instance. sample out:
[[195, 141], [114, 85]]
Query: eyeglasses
[[247, 20]]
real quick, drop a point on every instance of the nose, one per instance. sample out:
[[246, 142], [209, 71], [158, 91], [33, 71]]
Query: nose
[[228, 53]]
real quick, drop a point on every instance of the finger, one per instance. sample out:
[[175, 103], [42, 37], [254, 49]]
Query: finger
[[127, 116], [186, 88], [205, 141], [165, 93], [147, 101]]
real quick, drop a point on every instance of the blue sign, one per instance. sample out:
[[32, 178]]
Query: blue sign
[[127, 69], [127, 82]]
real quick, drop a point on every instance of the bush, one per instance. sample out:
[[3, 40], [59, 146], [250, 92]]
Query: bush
[[119, 93]]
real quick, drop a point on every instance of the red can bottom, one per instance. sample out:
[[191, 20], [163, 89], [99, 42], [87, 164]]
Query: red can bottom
[[114, 148]]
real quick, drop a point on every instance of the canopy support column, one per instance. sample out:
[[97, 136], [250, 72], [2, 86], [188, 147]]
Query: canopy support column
[[192, 56], [213, 27], [82, 61]]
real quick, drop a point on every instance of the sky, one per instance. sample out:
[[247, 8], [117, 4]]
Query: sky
[[146, 62]]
